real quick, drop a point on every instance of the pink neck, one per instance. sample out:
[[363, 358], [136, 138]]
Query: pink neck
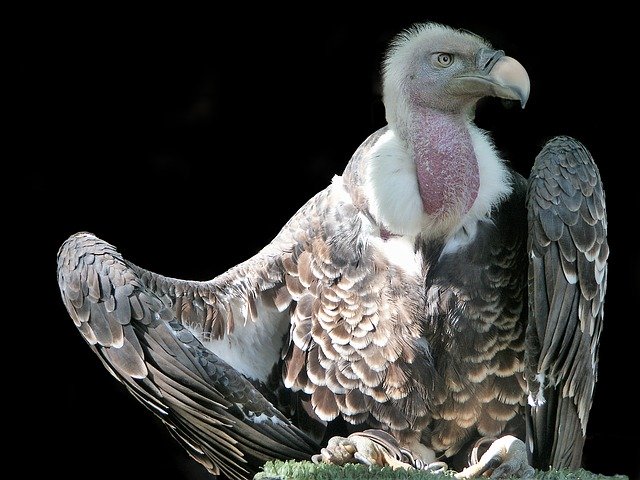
[[446, 164]]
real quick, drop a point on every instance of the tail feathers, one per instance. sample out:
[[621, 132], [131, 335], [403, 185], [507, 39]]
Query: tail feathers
[[555, 436]]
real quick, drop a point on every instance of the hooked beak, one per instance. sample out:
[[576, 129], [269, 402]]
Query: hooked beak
[[497, 75]]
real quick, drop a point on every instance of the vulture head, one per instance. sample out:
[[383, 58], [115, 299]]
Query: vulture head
[[435, 171], [434, 67]]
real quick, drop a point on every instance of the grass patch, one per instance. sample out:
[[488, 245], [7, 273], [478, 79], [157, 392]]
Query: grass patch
[[290, 470]]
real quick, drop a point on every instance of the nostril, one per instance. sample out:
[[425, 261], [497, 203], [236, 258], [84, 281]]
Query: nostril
[[487, 58]]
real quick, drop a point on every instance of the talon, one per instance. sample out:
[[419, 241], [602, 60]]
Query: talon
[[488, 441], [506, 457], [338, 451], [436, 467], [370, 447]]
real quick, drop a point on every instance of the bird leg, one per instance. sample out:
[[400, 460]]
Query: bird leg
[[506, 457], [376, 447]]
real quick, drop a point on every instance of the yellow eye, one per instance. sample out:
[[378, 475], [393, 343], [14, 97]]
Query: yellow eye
[[444, 59]]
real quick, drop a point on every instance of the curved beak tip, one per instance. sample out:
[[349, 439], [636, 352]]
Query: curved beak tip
[[511, 79]]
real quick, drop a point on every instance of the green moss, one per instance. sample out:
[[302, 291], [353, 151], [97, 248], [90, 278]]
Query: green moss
[[307, 470], [290, 470]]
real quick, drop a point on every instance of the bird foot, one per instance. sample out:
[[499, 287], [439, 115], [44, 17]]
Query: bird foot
[[506, 457], [371, 447], [374, 447]]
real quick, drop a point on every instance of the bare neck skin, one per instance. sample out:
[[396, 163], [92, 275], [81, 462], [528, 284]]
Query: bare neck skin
[[446, 165]]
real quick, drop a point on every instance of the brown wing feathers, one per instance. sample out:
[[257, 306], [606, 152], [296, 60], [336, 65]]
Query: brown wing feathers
[[349, 349], [132, 322]]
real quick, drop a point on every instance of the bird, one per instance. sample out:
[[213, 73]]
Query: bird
[[428, 305]]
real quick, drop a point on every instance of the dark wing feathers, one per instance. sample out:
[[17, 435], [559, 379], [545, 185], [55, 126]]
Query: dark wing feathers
[[347, 349], [567, 281], [132, 319]]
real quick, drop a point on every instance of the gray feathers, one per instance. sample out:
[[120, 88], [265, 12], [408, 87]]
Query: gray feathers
[[214, 412], [567, 282]]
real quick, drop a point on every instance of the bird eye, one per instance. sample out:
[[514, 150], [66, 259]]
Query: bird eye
[[443, 59]]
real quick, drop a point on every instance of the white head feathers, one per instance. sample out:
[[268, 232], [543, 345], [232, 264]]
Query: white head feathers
[[409, 47]]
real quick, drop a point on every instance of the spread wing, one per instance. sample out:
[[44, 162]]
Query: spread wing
[[567, 282], [135, 322], [322, 309]]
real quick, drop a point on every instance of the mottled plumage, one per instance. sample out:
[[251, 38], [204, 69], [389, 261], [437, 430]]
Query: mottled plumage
[[394, 299]]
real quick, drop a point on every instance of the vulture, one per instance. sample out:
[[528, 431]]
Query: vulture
[[429, 305]]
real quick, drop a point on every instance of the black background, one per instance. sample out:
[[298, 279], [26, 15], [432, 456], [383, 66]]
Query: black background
[[188, 142]]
